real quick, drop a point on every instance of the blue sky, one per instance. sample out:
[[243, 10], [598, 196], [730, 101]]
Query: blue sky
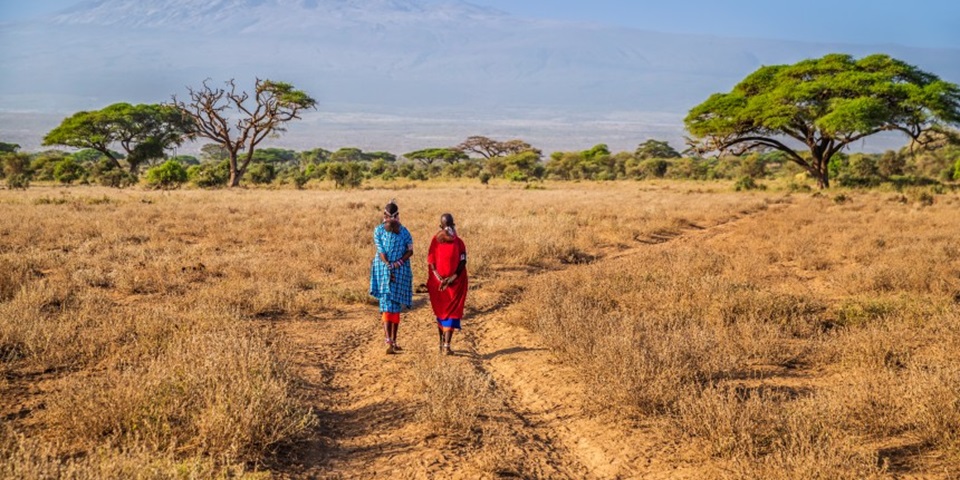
[[923, 23]]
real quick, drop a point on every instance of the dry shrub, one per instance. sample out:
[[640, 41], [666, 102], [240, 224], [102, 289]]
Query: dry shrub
[[661, 323], [809, 447], [456, 396], [221, 394], [934, 394], [31, 459], [766, 434]]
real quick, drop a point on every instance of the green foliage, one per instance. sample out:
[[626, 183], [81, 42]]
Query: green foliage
[[429, 155], [300, 180], [213, 152], [276, 156], [186, 160], [345, 174], [748, 183], [689, 169], [594, 164], [9, 147], [521, 167], [142, 131], [68, 171], [262, 173], [209, 175], [652, 168], [347, 154], [655, 149], [89, 155], [956, 170], [380, 156], [168, 175], [317, 155], [826, 104], [108, 174], [16, 170], [285, 96], [43, 164], [890, 164]]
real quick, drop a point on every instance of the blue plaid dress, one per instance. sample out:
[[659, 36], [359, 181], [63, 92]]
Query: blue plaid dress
[[393, 287]]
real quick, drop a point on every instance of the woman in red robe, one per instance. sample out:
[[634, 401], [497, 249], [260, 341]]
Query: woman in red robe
[[447, 282]]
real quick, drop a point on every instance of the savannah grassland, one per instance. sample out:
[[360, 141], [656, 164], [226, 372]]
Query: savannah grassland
[[615, 330]]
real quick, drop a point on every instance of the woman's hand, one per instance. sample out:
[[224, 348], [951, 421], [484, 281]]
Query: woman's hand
[[447, 281]]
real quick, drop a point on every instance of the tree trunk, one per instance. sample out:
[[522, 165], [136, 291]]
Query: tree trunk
[[823, 182], [116, 163], [235, 173], [823, 174]]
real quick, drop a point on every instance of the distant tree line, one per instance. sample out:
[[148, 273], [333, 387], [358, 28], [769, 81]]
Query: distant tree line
[[782, 120], [350, 167]]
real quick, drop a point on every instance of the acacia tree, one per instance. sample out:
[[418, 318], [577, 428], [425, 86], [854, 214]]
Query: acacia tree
[[655, 149], [825, 104], [429, 155], [274, 104], [489, 148], [143, 132]]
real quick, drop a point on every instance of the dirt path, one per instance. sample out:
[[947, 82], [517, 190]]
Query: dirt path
[[538, 425]]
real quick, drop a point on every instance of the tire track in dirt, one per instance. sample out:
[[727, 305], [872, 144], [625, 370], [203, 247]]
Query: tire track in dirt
[[367, 402], [547, 397]]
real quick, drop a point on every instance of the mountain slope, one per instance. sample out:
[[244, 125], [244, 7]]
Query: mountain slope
[[409, 58]]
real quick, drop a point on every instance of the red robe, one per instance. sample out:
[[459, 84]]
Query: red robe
[[446, 256]]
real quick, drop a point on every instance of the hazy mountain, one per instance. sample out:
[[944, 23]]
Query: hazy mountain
[[391, 74]]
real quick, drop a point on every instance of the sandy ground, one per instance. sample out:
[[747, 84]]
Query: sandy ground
[[540, 424]]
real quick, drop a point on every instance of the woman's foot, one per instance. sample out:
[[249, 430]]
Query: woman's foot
[[445, 349]]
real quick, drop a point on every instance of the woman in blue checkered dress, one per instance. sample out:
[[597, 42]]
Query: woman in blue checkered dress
[[391, 279]]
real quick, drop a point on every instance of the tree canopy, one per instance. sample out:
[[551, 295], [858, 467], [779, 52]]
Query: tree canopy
[[824, 104], [429, 155], [143, 132], [489, 148], [655, 149]]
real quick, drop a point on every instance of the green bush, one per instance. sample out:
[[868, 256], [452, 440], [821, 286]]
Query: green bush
[[68, 170], [106, 173], [262, 173], [19, 181], [210, 174], [653, 168], [169, 174], [748, 183], [16, 169], [345, 174], [300, 180]]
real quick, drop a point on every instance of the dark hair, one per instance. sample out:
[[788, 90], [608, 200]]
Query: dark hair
[[447, 220], [391, 209]]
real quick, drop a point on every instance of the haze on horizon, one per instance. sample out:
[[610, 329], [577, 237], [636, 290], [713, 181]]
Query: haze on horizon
[[633, 101]]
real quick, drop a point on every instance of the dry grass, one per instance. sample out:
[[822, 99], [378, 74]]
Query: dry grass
[[786, 347], [135, 327], [456, 397]]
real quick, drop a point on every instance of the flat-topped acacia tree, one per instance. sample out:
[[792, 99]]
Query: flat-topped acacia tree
[[825, 104], [273, 105], [144, 132]]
